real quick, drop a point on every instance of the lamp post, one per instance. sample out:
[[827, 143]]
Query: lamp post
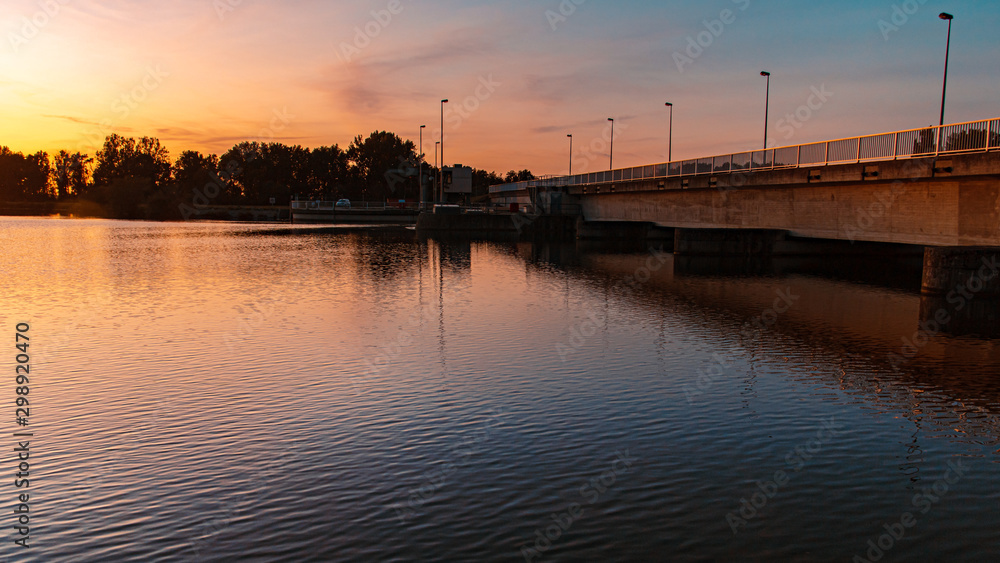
[[767, 94], [947, 46], [670, 131], [441, 176], [611, 159], [420, 168], [570, 154]]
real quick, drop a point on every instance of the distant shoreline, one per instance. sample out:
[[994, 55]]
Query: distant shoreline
[[88, 209]]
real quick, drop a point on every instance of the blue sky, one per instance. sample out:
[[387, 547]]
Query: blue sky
[[204, 74]]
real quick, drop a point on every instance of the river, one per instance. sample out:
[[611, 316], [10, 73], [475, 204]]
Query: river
[[221, 392]]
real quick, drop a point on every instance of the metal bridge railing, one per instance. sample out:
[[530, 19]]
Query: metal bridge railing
[[972, 136]]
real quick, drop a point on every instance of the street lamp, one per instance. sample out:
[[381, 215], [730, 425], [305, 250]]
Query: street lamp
[[441, 196], [947, 46], [570, 154], [767, 94], [420, 167], [670, 133], [611, 159]]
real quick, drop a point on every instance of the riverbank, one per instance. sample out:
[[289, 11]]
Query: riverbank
[[89, 209]]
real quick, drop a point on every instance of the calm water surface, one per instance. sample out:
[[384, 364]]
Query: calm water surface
[[220, 392]]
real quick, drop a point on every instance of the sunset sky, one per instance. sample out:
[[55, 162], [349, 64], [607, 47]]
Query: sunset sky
[[520, 76]]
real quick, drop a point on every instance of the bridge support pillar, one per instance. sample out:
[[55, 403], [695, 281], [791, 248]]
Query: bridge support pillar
[[961, 271], [961, 291], [726, 242]]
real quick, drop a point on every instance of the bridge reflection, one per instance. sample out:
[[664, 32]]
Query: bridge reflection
[[863, 331]]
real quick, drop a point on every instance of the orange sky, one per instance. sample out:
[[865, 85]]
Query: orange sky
[[205, 74]]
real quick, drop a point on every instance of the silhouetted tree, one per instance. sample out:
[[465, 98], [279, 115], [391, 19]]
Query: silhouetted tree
[[37, 177], [127, 157], [925, 142], [193, 169], [287, 172], [519, 176], [71, 173], [134, 177], [24, 178], [376, 156], [482, 180], [970, 139], [242, 166], [261, 171], [328, 173], [125, 196]]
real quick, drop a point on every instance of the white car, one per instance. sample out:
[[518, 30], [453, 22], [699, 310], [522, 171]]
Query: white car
[[343, 204]]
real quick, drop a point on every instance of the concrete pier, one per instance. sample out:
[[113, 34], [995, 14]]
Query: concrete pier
[[961, 272]]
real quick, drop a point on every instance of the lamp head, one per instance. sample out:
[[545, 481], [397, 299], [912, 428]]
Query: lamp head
[[945, 16], [765, 73]]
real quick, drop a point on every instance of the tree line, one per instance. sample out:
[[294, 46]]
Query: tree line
[[135, 178]]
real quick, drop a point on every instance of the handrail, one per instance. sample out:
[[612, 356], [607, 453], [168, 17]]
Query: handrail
[[970, 136]]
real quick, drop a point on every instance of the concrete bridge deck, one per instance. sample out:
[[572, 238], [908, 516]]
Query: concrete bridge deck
[[943, 201]]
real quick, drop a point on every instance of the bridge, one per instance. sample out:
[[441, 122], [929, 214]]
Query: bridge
[[935, 187]]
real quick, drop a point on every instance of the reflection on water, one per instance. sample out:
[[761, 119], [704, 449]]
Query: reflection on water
[[210, 392]]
